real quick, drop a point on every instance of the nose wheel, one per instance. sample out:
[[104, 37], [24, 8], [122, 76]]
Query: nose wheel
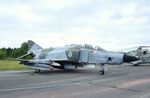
[[102, 70]]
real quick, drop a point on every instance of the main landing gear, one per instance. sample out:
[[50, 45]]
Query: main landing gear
[[37, 70]]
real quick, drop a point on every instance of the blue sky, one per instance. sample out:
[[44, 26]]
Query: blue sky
[[111, 24]]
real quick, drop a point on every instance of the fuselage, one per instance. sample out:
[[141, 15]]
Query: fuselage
[[75, 55]]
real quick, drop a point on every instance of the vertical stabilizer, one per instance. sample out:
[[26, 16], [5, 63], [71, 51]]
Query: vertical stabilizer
[[32, 46]]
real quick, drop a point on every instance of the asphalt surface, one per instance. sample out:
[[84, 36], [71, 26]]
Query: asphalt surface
[[123, 81]]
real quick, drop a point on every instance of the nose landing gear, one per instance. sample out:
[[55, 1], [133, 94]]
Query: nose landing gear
[[102, 70]]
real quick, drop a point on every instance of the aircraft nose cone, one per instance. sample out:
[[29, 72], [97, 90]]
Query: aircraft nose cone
[[127, 58]]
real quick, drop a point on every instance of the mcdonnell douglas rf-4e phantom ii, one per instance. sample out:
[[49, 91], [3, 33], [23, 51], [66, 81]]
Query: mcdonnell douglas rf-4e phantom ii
[[71, 56]]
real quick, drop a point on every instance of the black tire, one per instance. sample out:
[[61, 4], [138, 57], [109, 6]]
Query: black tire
[[135, 64], [76, 67], [37, 71], [101, 72]]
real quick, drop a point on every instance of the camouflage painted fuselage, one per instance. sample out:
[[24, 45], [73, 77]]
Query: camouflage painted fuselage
[[78, 54]]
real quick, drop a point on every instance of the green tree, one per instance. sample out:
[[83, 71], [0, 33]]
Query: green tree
[[3, 53], [9, 50], [24, 48], [16, 52]]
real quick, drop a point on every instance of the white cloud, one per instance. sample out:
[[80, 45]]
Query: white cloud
[[107, 23], [55, 4], [130, 9]]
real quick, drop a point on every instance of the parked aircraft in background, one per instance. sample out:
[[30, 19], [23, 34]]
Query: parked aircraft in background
[[141, 52], [72, 56]]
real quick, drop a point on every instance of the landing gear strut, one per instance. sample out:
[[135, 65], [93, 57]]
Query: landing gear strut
[[102, 70]]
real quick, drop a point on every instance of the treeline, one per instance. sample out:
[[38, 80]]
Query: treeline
[[13, 52]]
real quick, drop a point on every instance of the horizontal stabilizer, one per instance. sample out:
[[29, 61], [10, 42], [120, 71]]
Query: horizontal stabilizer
[[23, 56]]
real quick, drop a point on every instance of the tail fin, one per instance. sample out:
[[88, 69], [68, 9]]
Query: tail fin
[[33, 46]]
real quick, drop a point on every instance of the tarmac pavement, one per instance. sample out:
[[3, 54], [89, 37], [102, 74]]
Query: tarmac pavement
[[120, 81]]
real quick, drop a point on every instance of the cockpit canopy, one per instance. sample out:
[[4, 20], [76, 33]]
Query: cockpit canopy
[[87, 46]]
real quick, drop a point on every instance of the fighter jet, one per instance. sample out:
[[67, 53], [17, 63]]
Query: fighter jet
[[141, 52], [71, 56]]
